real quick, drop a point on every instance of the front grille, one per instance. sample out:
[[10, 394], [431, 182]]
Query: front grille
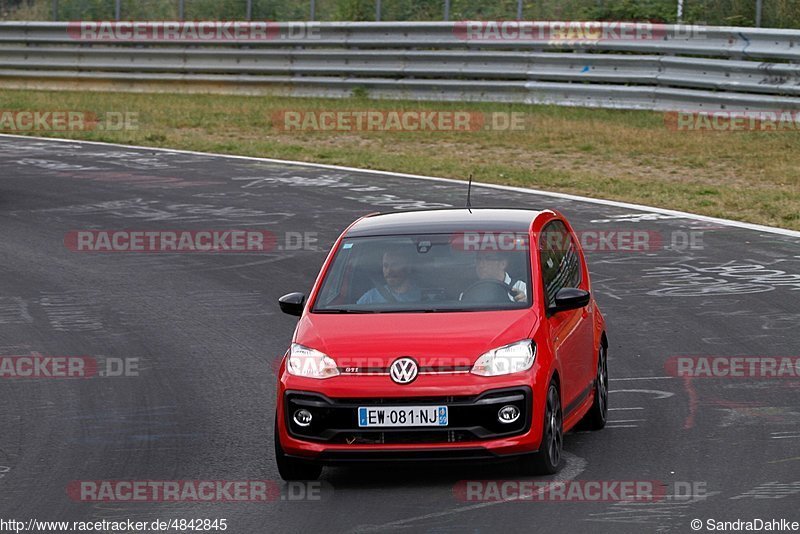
[[470, 418]]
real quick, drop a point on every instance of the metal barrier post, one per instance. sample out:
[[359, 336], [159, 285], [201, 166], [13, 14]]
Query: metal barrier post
[[759, 6]]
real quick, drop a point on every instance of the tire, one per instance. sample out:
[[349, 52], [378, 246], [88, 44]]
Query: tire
[[547, 460], [597, 415], [291, 468]]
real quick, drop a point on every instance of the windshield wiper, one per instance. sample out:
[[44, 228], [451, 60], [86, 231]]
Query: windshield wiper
[[343, 310], [421, 310]]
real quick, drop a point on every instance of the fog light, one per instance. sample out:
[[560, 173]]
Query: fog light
[[508, 414], [302, 417]]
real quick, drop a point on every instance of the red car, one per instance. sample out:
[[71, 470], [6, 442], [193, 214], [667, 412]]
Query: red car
[[459, 334]]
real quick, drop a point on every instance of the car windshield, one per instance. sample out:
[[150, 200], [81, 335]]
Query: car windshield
[[465, 271]]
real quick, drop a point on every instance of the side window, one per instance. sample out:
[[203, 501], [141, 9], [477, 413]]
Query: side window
[[560, 262]]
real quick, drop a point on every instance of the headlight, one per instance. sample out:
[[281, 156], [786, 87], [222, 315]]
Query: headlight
[[310, 363], [505, 360]]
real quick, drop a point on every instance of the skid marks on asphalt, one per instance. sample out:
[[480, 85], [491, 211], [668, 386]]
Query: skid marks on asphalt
[[657, 515], [14, 310], [575, 465], [630, 414], [131, 428]]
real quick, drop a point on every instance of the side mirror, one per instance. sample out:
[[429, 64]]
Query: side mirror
[[292, 303], [570, 298]]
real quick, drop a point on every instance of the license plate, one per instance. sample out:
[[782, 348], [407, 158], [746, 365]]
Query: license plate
[[392, 416]]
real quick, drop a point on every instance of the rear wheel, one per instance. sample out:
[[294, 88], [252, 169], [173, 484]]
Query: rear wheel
[[597, 415], [547, 460], [292, 468]]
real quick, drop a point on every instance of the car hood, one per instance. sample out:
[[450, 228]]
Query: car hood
[[433, 339]]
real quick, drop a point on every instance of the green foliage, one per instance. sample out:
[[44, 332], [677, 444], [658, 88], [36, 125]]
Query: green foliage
[[282, 10], [149, 9], [652, 10], [355, 10], [424, 10], [86, 9], [776, 13], [216, 9], [360, 93]]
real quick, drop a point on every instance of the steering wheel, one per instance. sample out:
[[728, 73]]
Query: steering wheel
[[487, 291]]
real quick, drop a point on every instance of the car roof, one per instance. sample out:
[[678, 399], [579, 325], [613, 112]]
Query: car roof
[[444, 221]]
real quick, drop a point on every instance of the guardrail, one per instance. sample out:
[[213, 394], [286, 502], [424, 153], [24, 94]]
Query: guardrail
[[671, 68]]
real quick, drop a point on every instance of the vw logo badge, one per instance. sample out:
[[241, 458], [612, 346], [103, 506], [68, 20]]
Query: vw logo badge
[[403, 370]]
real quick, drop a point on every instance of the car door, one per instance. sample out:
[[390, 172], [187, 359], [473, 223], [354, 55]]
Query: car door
[[571, 330]]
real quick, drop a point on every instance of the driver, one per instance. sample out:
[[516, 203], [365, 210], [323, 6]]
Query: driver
[[397, 274], [490, 265]]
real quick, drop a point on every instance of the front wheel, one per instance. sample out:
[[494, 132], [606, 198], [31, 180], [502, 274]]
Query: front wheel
[[597, 415], [291, 468], [547, 460]]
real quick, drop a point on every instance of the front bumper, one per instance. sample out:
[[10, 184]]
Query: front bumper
[[473, 431]]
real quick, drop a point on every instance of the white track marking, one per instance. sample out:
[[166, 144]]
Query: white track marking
[[642, 378], [785, 435], [634, 408], [796, 458], [657, 393], [613, 203], [626, 421]]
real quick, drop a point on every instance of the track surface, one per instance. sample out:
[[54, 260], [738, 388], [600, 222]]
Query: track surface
[[207, 331]]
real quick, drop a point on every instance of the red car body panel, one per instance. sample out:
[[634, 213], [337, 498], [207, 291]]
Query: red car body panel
[[566, 348]]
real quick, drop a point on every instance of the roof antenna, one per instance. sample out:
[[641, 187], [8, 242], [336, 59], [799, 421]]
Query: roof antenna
[[469, 193]]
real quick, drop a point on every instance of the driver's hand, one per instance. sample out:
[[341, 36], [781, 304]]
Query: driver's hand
[[518, 295]]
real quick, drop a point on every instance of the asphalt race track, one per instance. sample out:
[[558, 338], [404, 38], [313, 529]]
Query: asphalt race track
[[205, 332]]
